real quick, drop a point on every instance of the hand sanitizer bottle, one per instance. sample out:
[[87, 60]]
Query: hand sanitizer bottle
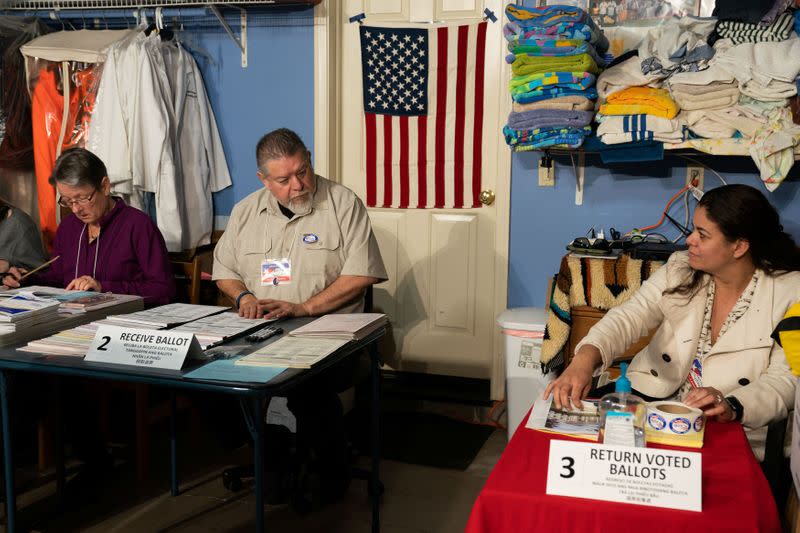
[[622, 415]]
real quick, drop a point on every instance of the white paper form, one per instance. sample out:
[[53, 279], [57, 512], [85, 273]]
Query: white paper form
[[293, 352]]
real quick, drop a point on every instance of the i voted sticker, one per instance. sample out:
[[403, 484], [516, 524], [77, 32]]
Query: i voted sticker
[[680, 425], [656, 421], [310, 238]]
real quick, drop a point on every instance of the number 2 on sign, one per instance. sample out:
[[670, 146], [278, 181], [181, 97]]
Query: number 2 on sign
[[569, 462], [102, 347]]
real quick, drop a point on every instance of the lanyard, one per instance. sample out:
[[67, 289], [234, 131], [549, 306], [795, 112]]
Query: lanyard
[[96, 251]]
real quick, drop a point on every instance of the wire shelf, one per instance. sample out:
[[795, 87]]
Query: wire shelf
[[37, 5]]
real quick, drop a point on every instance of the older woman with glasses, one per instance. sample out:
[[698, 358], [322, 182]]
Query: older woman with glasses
[[104, 245], [713, 309]]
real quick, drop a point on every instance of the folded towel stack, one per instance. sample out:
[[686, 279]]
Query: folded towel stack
[[556, 53], [640, 114]]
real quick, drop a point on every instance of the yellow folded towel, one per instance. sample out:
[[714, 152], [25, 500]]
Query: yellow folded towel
[[640, 100]]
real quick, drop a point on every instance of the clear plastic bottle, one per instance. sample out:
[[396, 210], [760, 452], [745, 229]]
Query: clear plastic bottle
[[622, 415]]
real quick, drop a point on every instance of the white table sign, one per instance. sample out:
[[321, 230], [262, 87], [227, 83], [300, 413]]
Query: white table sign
[[148, 348], [642, 476]]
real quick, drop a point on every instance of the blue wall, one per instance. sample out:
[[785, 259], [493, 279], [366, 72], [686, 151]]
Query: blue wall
[[545, 219], [275, 90]]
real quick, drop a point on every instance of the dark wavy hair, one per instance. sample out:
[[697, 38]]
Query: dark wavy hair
[[743, 212]]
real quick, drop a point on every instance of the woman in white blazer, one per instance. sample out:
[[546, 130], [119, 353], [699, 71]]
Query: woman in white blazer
[[713, 309]]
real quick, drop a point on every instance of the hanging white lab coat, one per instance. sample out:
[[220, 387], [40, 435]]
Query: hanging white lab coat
[[155, 130]]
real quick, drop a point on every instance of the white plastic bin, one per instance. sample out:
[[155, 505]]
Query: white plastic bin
[[523, 332]]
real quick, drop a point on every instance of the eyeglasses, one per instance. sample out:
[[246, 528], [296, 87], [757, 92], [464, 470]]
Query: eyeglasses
[[81, 200]]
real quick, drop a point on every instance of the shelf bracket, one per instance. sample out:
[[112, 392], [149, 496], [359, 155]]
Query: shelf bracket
[[579, 176], [240, 42]]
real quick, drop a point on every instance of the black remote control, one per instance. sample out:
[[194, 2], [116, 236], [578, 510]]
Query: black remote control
[[264, 334]]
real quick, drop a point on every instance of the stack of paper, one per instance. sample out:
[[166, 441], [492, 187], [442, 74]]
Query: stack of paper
[[215, 329], [124, 303], [75, 341], [293, 352], [582, 423], [74, 301], [165, 316], [350, 326], [19, 312]]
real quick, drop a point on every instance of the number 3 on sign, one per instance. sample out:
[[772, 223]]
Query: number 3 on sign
[[567, 470]]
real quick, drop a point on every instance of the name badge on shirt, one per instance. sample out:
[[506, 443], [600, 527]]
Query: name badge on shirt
[[276, 272]]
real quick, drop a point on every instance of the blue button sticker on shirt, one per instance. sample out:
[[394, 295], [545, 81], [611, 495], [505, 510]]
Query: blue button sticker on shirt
[[310, 238]]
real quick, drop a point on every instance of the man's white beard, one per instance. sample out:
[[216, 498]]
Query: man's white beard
[[301, 206]]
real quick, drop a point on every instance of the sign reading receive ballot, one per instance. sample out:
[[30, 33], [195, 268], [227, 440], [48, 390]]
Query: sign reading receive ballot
[[146, 348], [643, 476]]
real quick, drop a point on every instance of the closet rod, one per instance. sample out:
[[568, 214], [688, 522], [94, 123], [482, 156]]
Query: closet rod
[[31, 5]]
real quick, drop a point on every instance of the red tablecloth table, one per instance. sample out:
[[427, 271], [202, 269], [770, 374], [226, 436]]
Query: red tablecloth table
[[736, 496]]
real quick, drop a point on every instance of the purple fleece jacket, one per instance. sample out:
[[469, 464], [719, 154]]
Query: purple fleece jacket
[[132, 258]]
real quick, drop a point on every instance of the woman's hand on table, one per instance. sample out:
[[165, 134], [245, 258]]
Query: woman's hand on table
[[84, 283], [712, 402], [575, 381]]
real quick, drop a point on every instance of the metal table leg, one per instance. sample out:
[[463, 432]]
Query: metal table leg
[[375, 480], [258, 459], [8, 457], [173, 444], [61, 477]]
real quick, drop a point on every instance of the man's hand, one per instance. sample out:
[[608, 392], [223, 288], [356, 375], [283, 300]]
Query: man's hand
[[84, 283], [249, 308], [281, 309], [11, 278], [4, 266]]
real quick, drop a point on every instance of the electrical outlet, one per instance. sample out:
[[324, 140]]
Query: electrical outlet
[[694, 176], [547, 173]]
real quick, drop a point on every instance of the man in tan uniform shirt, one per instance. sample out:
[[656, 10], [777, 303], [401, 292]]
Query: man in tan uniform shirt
[[301, 246]]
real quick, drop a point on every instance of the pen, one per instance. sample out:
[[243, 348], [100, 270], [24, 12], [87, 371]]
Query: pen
[[37, 269]]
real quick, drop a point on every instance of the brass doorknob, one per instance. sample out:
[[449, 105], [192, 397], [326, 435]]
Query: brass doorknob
[[487, 197]]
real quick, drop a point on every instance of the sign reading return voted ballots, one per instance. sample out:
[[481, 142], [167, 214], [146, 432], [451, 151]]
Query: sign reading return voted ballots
[[147, 348], [642, 476]]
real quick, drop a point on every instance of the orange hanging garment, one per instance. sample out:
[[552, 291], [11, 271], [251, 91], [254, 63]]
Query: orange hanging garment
[[47, 109]]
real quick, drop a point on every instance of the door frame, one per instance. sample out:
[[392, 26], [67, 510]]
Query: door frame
[[329, 19]]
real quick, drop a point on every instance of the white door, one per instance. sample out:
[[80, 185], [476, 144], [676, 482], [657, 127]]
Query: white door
[[447, 267]]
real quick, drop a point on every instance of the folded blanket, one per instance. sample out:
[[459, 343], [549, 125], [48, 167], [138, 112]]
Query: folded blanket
[[623, 75], [774, 91], [546, 16], [547, 93], [742, 32], [724, 123], [676, 41], [548, 118], [629, 128], [556, 46], [567, 80], [544, 50], [525, 64], [574, 103], [640, 100], [544, 137], [714, 73], [712, 96], [600, 283], [772, 148], [762, 62]]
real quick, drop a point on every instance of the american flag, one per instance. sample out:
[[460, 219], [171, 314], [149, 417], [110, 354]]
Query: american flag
[[423, 115]]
